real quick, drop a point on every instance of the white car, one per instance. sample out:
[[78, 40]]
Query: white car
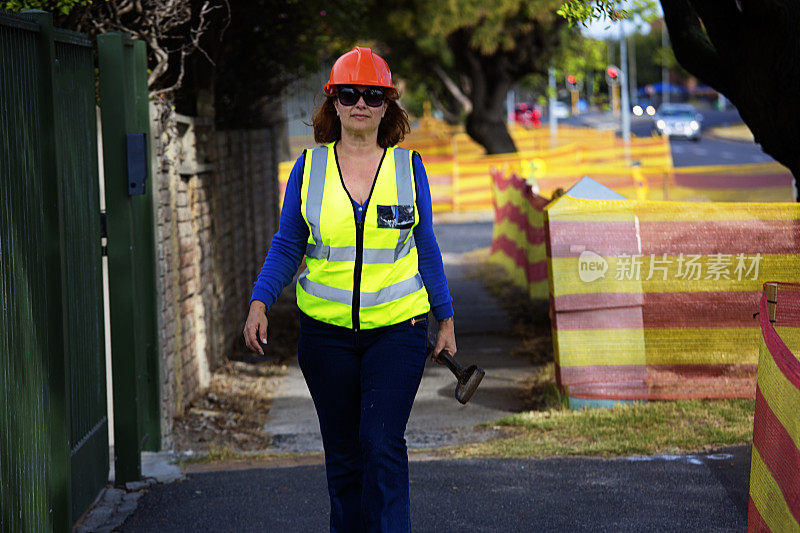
[[560, 110], [679, 120]]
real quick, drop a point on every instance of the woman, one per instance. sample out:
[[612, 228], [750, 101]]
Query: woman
[[358, 208]]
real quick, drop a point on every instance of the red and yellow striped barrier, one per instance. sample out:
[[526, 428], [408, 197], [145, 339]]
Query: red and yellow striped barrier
[[774, 503], [757, 182], [761, 182], [654, 300], [518, 240], [459, 171]]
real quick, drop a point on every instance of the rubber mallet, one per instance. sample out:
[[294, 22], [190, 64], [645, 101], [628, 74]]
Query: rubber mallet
[[468, 378]]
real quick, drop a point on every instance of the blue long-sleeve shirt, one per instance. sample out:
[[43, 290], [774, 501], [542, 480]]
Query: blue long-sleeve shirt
[[289, 245]]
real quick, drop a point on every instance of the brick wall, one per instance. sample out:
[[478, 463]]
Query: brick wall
[[216, 211]]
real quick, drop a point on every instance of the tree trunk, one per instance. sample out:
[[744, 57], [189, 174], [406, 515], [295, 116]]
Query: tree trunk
[[491, 133], [490, 78]]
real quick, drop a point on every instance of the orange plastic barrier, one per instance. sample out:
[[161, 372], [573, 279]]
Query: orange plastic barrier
[[654, 300], [518, 240], [774, 503]]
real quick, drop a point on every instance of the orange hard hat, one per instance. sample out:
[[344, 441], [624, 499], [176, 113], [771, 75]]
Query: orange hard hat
[[360, 66]]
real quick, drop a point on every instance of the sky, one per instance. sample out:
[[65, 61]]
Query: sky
[[605, 29]]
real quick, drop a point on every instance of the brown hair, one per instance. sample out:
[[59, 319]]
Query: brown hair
[[392, 130]]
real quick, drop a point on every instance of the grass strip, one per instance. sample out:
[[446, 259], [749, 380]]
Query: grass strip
[[549, 428], [225, 453], [657, 427]]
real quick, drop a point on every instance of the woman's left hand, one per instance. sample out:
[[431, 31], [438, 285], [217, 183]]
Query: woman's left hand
[[445, 339]]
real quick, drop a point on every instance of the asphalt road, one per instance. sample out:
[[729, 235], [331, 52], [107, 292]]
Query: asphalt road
[[457, 238], [706, 151], [666, 493]]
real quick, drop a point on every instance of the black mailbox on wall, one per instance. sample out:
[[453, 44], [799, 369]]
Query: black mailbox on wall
[[137, 162]]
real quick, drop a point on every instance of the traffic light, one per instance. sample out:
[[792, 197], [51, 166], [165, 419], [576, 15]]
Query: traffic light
[[612, 75], [573, 83]]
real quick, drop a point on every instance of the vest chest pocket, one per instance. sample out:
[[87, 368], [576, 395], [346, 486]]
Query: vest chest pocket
[[396, 216]]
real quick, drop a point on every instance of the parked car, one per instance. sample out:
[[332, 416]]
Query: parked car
[[527, 115], [678, 120], [560, 110]]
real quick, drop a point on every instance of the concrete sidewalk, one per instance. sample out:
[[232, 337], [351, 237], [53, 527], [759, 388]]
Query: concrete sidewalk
[[437, 419]]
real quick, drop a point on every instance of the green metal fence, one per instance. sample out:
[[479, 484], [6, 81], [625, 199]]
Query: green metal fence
[[53, 425], [76, 124]]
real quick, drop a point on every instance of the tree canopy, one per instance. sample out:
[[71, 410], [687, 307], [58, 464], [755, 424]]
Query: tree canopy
[[54, 6], [172, 29], [470, 53], [273, 42]]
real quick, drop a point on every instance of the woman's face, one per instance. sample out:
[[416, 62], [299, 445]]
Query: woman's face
[[360, 118]]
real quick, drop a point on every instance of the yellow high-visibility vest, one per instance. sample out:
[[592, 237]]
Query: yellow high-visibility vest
[[360, 275]]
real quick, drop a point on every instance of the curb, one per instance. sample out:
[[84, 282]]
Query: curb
[[113, 505]]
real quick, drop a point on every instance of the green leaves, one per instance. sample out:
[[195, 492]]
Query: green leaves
[[492, 26], [54, 6], [584, 12]]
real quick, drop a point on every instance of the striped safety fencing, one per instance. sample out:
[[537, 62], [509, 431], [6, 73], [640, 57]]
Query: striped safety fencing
[[460, 174], [459, 171], [762, 182], [757, 182], [774, 503], [518, 240], [655, 300], [635, 182]]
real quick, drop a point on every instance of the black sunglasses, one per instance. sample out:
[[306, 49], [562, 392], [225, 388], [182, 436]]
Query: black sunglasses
[[349, 96]]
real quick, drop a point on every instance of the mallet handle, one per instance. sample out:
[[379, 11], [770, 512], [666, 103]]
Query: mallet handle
[[454, 366]]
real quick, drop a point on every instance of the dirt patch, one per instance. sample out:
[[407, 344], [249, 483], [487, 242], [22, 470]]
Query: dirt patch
[[230, 414]]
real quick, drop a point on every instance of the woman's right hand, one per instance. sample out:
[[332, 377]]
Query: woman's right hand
[[255, 328]]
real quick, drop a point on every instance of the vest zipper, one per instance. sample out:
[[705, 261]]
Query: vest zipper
[[357, 269]]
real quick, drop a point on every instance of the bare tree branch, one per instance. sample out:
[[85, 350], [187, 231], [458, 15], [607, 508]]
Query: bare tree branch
[[452, 87], [172, 29], [449, 116]]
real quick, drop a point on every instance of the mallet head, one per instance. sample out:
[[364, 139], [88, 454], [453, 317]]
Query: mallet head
[[468, 383]]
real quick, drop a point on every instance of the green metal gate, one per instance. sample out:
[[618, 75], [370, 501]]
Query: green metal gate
[[131, 251], [53, 424]]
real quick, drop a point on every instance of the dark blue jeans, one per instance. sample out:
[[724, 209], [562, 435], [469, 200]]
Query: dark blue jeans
[[363, 385]]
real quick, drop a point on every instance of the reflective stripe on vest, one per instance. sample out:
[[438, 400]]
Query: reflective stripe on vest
[[368, 299], [316, 186], [371, 255]]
